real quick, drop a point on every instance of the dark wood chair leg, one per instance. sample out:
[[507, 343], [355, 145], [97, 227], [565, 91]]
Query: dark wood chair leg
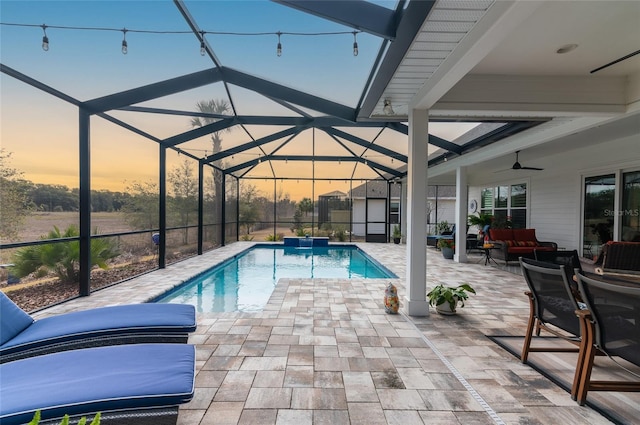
[[529, 333], [585, 323], [587, 363]]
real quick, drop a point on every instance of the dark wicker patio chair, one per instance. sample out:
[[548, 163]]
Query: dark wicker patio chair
[[551, 302], [611, 325]]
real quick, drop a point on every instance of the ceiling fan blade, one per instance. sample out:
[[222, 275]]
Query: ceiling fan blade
[[532, 168]]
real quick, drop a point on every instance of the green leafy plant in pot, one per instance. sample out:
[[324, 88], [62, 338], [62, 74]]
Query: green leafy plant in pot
[[447, 246], [397, 234], [447, 298]]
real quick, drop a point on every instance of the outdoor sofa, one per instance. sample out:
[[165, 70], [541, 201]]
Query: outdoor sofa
[[128, 384], [511, 244], [21, 336]]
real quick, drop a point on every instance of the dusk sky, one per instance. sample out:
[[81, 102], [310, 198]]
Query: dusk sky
[[41, 131]]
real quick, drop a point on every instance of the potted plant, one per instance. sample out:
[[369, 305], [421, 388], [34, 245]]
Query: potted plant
[[443, 227], [397, 235], [483, 221], [480, 220], [446, 298], [447, 246]]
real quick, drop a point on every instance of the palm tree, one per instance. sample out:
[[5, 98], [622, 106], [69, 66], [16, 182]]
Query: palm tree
[[214, 107]]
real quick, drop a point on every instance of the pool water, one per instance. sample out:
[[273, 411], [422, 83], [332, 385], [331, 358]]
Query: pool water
[[246, 282]]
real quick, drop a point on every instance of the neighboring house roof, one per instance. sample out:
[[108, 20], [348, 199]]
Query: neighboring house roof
[[378, 189], [334, 194], [442, 191], [375, 189]]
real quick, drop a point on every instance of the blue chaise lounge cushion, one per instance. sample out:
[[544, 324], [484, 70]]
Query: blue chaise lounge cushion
[[95, 323], [14, 319], [101, 379]]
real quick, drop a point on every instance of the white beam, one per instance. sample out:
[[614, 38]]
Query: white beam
[[534, 96]]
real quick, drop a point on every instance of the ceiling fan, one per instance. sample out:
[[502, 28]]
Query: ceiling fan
[[517, 166]]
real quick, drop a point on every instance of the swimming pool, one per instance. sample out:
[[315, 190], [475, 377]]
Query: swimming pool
[[245, 282]]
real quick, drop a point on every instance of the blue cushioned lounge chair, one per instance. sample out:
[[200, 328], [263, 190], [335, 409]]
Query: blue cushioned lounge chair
[[21, 336], [128, 384], [432, 240]]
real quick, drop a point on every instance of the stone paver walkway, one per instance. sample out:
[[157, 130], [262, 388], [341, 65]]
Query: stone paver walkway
[[324, 352]]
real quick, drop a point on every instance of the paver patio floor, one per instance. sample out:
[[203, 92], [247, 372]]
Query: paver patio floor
[[323, 351]]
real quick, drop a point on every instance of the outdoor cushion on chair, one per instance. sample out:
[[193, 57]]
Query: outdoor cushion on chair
[[22, 336], [122, 382]]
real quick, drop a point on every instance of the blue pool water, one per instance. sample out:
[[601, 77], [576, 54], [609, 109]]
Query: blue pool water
[[246, 282]]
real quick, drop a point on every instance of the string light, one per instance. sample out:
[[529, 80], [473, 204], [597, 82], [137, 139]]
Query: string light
[[125, 47], [279, 48], [45, 39], [355, 44]]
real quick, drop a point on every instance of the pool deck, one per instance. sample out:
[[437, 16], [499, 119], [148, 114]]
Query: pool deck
[[323, 351]]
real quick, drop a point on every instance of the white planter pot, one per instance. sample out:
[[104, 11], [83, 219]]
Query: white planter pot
[[445, 309]]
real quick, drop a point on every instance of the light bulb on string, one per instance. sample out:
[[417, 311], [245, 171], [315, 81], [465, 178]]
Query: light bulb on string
[[279, 47], [45, 39], [203, 50], [355, 44], [125, 47]]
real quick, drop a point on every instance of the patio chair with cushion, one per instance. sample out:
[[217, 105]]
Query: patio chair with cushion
[[432, 240], [552, 305], [22, 336], [128, 384], [610, 324]]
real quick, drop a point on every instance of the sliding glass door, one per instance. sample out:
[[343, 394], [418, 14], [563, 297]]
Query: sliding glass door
[[599, 207], [603, 221], [630, 209]]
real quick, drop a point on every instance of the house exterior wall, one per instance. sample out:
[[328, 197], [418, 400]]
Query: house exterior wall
[[446, 212], [555, 194]]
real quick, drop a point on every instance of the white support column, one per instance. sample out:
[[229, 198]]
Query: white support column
[[403, 209], [462, 200], [416, 285]]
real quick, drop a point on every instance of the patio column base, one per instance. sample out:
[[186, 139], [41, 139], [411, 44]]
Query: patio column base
[[416, 308]]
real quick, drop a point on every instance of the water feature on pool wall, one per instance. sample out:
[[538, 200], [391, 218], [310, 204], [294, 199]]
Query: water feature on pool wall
[[306, 242]]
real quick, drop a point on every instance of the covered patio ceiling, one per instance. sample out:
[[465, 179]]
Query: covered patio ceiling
[[271, 129]]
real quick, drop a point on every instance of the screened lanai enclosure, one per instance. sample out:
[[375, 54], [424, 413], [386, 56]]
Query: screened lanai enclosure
[[190, 145]]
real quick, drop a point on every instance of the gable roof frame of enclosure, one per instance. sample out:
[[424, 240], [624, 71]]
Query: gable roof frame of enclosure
[[399, 26]]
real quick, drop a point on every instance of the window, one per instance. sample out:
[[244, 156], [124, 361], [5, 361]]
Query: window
[[630, 211], [486, 201], [506, 203], [394, 212]]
